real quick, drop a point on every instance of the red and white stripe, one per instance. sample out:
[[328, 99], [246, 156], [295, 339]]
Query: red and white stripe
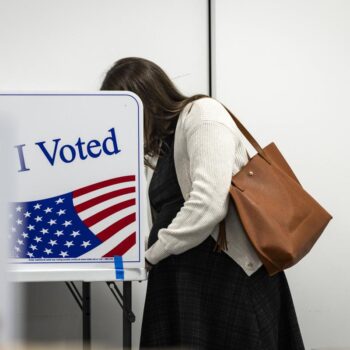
[[108, 209]]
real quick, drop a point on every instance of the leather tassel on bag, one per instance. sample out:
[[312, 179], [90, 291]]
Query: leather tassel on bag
[[221, 242]]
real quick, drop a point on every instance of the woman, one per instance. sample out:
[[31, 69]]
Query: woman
[[201, 292]]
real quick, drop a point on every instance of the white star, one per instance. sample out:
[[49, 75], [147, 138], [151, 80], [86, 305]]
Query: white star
[[27, 214], [48, 251], [67, 223], [25, 235], [20, 242], [37, 206], [30, 254], [33, 247], [13, 229], [38, 218], [19, 208], [17, 249], [52, 242], [19, 222], [85, 244], [61, 212], [59, 200], [44, 231], [58, 233], [37, 239], [69, 243], [75, 233], [52, 222], [63, 254], [48, 210], [31, 227]]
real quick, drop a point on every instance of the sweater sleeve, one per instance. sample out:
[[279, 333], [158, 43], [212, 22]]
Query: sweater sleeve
[[211, 148]]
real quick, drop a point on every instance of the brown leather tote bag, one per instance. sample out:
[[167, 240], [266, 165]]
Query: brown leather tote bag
[[281, 219]]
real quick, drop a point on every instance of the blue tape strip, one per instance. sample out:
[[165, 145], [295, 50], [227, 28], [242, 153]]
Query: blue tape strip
[[119, 268]]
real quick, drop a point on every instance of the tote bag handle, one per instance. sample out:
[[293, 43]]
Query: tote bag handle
[[248, 136]]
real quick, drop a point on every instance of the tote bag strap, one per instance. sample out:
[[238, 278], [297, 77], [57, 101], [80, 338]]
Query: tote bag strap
[[248, 136]]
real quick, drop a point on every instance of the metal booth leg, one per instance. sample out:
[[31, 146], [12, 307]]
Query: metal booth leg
[[84, 302], [86, 315], [124, 300]]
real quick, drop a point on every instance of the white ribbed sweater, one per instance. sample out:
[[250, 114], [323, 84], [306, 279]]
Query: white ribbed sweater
[[208, 150]]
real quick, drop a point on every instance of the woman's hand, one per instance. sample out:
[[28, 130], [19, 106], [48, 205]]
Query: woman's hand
[[148, 265]]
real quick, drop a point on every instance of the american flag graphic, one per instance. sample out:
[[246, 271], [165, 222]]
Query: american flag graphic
[[93, 222]]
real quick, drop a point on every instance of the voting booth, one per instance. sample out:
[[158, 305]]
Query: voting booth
[[78, 209], [78, 212]]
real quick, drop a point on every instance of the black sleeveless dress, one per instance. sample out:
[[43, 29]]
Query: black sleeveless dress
[[202, 299]]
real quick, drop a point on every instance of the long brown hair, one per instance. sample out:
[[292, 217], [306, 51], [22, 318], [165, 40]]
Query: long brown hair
[[162, 101]]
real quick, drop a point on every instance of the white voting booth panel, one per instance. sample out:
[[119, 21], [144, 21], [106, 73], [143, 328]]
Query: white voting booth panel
[[78, 210]]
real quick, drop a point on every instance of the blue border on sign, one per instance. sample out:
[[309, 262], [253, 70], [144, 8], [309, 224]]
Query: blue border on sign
[[111, 260]]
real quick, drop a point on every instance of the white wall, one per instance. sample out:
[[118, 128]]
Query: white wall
[[282, 67], [69, 45]]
